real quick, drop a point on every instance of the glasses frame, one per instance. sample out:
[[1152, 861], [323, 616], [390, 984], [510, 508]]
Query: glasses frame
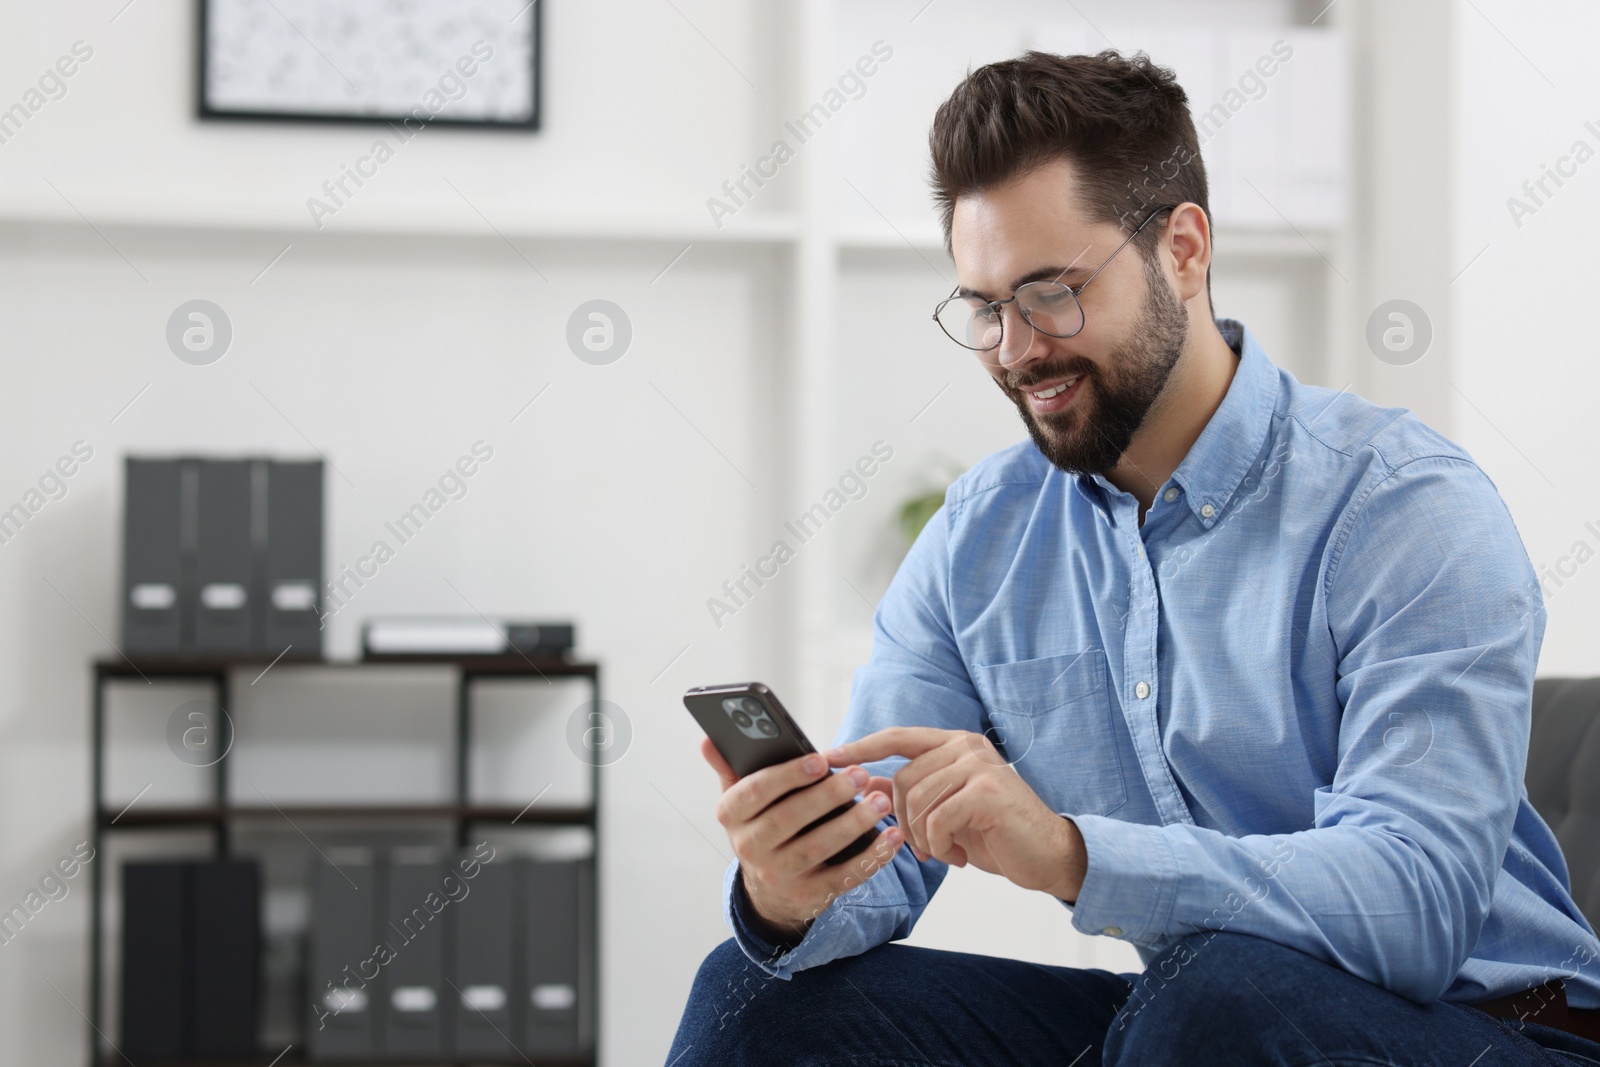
[[998, 305]]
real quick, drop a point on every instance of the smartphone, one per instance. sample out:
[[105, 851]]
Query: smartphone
[[752, 731]]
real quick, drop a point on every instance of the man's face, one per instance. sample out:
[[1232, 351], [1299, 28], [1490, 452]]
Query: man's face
[[1134, 327]]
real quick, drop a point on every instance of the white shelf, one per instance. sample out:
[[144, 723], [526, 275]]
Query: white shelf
[[1254, 242], [410, 221], [924, 238], [766, 229], [1282, 243]]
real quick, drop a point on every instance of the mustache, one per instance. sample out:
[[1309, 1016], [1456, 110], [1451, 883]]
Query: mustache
[[1066, 370]]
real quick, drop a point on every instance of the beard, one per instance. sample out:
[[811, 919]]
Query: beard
[[1087, 438]]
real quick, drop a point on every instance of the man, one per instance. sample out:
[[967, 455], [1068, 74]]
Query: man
[[1237, 669]]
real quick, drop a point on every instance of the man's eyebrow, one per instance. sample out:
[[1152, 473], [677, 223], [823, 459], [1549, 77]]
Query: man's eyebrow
[[1042, 274]]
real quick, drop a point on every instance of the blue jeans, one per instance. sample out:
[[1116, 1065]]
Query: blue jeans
[[1216, 998]]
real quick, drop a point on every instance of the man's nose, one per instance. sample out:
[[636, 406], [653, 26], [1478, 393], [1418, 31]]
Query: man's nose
[[1017, 339]]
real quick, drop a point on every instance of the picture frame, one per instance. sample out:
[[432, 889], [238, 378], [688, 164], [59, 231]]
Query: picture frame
[[465, 63]]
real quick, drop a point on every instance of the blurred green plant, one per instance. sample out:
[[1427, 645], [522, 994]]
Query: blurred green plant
[[916, 511]]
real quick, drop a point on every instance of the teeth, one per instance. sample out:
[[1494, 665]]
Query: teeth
[[1063, 387]]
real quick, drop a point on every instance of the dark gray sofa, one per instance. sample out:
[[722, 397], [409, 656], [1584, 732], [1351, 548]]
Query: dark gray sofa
[[1563, 778]]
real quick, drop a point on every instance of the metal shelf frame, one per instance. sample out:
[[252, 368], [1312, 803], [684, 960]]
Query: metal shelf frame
[[218, 815]]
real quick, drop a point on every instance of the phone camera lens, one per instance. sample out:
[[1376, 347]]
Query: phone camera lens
[[768, 727], [754, 708], [741, 718]]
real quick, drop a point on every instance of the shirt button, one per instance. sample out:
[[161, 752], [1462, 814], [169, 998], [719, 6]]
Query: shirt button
[[1112, 931], [1207, 510], [1170, 495], [1142, 690]]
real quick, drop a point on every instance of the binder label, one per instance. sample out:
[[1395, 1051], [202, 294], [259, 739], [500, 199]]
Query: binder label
[[414, 998], [553, 996], [483, 997], [153, 596]]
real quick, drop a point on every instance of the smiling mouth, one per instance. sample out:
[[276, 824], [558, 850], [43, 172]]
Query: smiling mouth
[[1053, 398], [1054, 390]]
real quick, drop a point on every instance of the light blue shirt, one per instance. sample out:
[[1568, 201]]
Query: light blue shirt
[[1294, 702]]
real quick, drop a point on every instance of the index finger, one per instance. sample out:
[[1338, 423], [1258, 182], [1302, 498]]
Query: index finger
[[908, 741]]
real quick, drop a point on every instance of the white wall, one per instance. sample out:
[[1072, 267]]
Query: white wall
[[407, 328], [1525, 372], [628, 88], [391, 352]]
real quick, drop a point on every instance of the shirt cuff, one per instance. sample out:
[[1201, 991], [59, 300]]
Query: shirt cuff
[[777, 960], [1131, 883], [742, 918]]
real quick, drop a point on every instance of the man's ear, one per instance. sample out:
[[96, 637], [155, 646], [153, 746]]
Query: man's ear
[[1188, 240]]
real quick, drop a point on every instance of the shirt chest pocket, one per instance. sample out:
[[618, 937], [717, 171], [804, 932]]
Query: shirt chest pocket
[[1052, 718]]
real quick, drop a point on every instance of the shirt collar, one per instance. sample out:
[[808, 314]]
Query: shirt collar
[[1230, 443]]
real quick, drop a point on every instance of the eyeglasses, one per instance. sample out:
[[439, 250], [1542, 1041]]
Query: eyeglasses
[[1051, 307]]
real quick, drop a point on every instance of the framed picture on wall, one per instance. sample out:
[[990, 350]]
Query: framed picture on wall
[[418, 62]]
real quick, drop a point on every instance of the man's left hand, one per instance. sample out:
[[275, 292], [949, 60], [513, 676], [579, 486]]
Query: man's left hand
[[959, 801]]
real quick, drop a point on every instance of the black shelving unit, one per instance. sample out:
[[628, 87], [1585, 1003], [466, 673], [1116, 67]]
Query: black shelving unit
[[218, 815]]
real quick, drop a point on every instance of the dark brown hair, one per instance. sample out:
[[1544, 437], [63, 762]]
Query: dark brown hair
[[1122, 122]]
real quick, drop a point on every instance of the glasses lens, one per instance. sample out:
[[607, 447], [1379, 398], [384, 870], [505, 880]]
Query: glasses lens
[[970, 323], [1052, 308]]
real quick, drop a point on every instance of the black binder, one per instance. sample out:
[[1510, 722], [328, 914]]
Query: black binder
[[223, 557], [290, 599], [413, 989], [482, 1001], [157, 954], [341, 965], [225, 910], [153, 595], [558, 940], [190, 958]]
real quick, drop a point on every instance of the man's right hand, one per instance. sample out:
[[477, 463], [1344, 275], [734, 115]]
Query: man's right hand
[[784, 875]]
